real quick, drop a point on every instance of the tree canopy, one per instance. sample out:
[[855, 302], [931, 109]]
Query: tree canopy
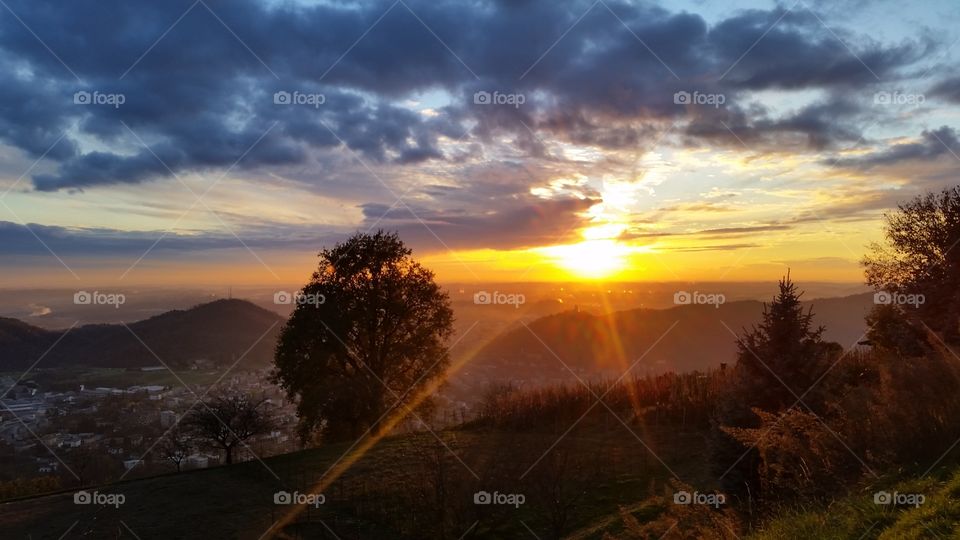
[[367, 334], [920, 256]]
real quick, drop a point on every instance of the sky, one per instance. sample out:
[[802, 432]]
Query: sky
[[227, 141]]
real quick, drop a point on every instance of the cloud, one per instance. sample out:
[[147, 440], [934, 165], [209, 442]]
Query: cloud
[[35, 239], [718, 247], [931, 145], [513, 227], [199, 89]]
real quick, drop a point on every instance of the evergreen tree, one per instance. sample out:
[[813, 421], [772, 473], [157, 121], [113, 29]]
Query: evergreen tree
[[779, 359]]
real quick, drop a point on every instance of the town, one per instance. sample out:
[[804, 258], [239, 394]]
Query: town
[[61, 438]]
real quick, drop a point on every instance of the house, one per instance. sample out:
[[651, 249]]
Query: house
[[196, 461], [168, 419]]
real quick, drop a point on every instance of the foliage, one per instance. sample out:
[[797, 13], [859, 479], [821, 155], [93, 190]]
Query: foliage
[[779, 359], [24, 487], [679, 521], [368, 335], [669, 398], [920, 257], [889, 329]]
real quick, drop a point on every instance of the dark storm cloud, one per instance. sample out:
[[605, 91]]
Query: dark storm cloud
[[819, 125], [931, 145], [799, 50], [201, 94], [948, 89]]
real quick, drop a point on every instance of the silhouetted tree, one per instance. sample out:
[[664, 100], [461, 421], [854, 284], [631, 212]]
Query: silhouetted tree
[[920, 255], [176, 446], [368, 332], [226, 421], [780, 358], [890, 330]]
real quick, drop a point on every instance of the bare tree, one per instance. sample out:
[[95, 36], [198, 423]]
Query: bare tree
[[226, 421], [176, 446]]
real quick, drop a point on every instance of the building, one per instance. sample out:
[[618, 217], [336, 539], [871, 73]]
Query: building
[[168, 419]]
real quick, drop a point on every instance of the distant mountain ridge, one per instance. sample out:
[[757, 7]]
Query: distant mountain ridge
[[219, 331], [682, 338]]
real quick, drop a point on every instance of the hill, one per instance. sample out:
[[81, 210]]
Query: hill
[[219, 331], [388, 493], [687, 337]]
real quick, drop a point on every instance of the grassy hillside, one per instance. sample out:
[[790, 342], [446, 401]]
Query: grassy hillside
[[374, 497], [858, 516]]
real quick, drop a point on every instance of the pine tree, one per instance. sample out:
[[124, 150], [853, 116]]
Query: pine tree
[[780, 359]]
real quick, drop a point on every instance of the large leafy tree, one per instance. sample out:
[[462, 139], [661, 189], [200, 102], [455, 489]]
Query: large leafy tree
[[921, 256], [368, 333]]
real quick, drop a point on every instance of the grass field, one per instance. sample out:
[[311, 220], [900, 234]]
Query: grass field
[[374, 497], [858, 516]]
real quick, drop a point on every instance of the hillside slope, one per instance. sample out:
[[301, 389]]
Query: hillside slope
[[218, 331], [687, 337], [385, 494]]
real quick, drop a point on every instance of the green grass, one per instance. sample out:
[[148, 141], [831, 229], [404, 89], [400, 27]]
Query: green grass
[[856, 516]]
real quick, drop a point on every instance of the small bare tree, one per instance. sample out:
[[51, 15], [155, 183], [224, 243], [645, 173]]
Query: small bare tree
[[226, 421], [176, 446]]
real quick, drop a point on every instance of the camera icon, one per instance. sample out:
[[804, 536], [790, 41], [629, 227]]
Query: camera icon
[[81, 98], [682, 298], [882, 98], [282, 497], [282, 297], [482, 298], [281, 98], [482, 497], [82, 298], [682, 497], [82, 497], [882, 298], [481, 98], [681, 98], [882, 497]]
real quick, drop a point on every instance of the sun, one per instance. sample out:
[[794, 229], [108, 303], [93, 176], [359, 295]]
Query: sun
[[590, 259]]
